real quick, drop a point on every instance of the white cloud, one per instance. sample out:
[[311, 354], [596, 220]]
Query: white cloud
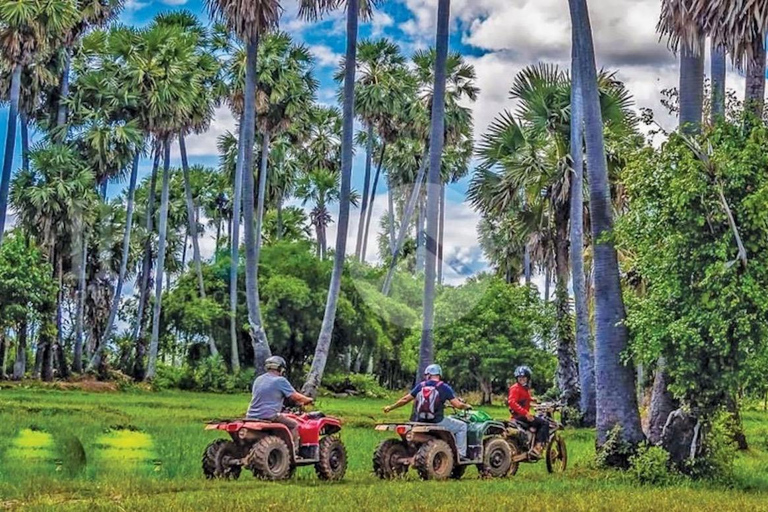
[[135, 5], [325, 56], [380, 22], [174, 2], [204, 144]]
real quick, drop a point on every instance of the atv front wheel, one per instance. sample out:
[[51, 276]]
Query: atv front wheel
[[497, 458], [217, 460], [386, 459], [333, 459], [270, 459], [434, 460], [557, 455]]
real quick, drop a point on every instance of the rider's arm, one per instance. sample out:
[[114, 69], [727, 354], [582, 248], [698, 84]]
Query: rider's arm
[[458, 404], [404, 400], [300, 399]]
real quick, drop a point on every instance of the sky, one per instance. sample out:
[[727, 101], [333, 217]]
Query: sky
[[498, 37]]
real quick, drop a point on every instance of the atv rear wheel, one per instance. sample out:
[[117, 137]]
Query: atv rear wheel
[[557, 455], [434, 460], [386, 459], [497, 458], [333, 459], [217, 460], [270, 459]]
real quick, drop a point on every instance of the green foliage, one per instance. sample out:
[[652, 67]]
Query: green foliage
[[173, 377], [700, 302], [485, 328], [616, 452], [362, 384], [716, 461], [208, 375], [650, 466], [26, 285]]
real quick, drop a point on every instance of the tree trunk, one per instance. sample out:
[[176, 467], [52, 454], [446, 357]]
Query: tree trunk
[[487, 391], [391, 214], [146, 266], [409, 209], [95, 362], [61, 113], [567, 372], [77, 363], [24, 121], [192, 229], [253, 237], [436, 137], [234, 248], [440, 235], [718, 72], [5, 346], [754, 97], [586, 359], [662, 403], [10, 147], [691, 88], [324, 340], [421, 218], [359, 255], [46, 351], [547, 283], [154, 343], [371, 201], [20, 366], [58, 346], [615, 381]]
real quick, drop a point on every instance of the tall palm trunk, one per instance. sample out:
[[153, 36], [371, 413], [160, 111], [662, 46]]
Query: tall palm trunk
[[409, 209], [359, 255], [146, 269], [391, 213], [586, 359], [24, 119], [99, 353], [20, 365], [324, 340], [154, 343], [10, 146], [440, 235], [615, 381], [192, 231], [691, 88], [421, 219], [371, 201], [61, 113], [252, 238], [259, 340], [234, 248], [436, 137], [567, 372], [754, 97], [58, 355], [279, 223], [718, 82], [77, 362]]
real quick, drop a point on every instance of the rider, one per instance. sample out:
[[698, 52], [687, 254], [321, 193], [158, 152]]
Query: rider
[[520, 401], [269, 393], [431, 410]]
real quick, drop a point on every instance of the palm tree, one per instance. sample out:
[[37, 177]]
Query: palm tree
[[27, 28], [741, 27], [312, 9], [53, 199], [249, 20], [683, 24], [615, 382]]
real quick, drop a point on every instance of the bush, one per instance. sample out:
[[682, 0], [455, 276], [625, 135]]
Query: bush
[[239, 382], [650, 466], [716, 460], [209, 375], [173, 377], [616, 451], [354, 384]]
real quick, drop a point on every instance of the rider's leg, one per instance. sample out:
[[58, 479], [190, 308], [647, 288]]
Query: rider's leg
[[293, 426], [542, 430], [459, 430]]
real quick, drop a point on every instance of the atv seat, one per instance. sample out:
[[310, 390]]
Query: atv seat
[[315, 415], [520, 426]]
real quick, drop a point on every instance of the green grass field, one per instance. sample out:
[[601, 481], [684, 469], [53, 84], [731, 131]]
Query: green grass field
[[153, 463]]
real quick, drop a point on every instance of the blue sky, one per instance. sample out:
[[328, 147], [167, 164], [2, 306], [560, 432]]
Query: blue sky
[[498, 37]]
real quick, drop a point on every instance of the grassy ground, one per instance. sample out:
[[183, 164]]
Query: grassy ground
[[154, 464]]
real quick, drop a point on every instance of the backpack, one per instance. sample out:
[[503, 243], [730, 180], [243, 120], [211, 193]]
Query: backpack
[[427, 402]]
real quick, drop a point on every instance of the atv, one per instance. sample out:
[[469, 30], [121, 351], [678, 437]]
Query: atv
[[521, 440], [267, 449], [432, 450]]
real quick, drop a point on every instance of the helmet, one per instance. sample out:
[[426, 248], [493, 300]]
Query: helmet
[[523, 371], [275, 363], [433, 369]]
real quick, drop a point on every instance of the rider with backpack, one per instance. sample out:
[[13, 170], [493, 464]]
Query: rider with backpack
[[429, 407]]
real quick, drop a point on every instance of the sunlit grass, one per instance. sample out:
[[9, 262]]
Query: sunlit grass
[[143, 452]]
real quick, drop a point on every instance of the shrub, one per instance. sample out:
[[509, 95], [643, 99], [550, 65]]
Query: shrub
[[356, 383], [211, 374], [716, 460], [240, 381], [616, 451], [650, 466], [173, 377]]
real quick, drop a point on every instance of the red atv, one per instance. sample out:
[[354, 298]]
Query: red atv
[[267, 448]]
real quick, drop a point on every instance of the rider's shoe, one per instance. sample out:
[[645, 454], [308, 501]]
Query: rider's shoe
[[535, 452]]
